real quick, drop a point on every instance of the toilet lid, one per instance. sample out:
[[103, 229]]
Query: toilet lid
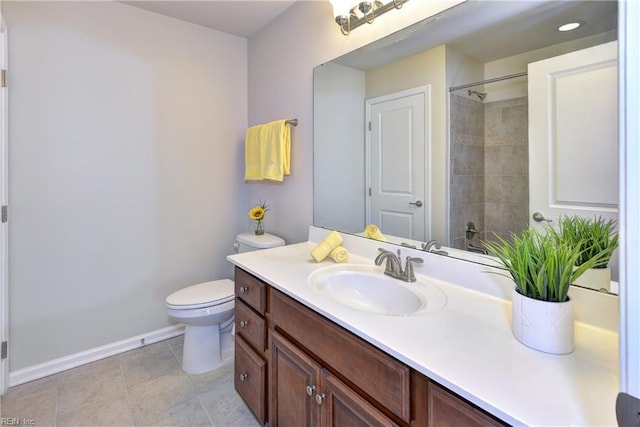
[[203, 294], [264, 241]]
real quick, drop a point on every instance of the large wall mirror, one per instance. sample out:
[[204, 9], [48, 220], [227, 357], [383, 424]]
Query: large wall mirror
[[464, 125]]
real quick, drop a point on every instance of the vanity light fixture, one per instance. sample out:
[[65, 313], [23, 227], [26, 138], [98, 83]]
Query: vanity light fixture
[[350, 17], [570, 26]]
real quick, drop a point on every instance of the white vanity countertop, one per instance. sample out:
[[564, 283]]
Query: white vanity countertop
[[468, 346]]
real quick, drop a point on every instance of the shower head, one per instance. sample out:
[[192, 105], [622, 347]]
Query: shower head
[[481, 95]]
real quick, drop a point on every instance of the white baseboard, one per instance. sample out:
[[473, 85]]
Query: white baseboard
[[55, 366]]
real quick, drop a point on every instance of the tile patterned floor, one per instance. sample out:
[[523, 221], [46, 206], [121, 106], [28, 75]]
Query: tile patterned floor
[[143, 387]]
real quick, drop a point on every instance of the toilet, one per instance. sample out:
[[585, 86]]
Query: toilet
[[206, 310]]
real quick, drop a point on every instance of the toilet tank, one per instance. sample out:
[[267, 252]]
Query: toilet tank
[[248, 242]]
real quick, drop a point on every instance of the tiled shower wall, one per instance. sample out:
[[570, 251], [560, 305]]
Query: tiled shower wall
[[467, 169], [489, 168], [506, 165]]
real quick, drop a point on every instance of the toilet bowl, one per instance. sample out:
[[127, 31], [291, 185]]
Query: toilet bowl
[[206, 309]]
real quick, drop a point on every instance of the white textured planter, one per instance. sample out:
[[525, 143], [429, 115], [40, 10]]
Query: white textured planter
[[595, 278], [541, 325]]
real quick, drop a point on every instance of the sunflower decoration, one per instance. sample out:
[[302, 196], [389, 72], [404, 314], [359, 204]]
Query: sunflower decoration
[[257, 214]]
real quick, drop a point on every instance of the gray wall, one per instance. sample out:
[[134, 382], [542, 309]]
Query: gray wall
[[125, 140]]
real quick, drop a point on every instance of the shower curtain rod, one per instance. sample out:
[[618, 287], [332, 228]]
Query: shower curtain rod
[[495, 79]]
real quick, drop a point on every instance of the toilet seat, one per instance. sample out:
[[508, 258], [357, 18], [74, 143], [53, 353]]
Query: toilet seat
[[202, 295]]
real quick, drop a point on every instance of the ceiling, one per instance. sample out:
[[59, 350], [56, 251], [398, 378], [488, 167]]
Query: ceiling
[[534, 25], [481, 29], [489, 30], [242, 18]]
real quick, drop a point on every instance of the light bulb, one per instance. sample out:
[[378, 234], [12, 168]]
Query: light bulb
[[570, 26]]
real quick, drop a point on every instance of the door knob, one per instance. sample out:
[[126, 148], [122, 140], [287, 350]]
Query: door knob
[[244, 377], [310, 390], [320, 398], [244, 323], [416, 203], [538, 217]]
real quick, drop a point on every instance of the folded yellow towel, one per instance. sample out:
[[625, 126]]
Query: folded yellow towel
[[324, 248], [373, 232], [267, 151], [339, 254]]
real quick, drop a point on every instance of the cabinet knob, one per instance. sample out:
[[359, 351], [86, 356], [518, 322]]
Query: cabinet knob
[[244, 323], [310, 390], [320, 398], [244, 377], [244, 290]]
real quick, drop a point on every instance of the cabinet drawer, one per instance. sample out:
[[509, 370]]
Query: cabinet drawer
[[250, 378], [250, 325], [357, 361], [251, 290]]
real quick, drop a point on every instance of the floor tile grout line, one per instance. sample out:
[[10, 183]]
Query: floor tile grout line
[[202, 405], [195, 390], [126, 393], [55, 408]]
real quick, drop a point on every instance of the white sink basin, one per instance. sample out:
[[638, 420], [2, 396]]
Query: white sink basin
[[367, 288]]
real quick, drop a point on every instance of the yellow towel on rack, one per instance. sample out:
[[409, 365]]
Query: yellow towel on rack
[[267, 151], [373, 232], [339, 254], [324, 248]]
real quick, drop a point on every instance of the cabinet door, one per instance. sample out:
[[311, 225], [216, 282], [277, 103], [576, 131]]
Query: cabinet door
[[343, 407], [447, 410], [295, 382]]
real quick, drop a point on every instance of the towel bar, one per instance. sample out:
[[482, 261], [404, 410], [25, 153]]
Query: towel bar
[[292, 122]]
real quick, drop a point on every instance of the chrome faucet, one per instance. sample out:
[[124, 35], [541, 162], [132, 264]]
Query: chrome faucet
[[433, 246], [393, 267], [428, 247]]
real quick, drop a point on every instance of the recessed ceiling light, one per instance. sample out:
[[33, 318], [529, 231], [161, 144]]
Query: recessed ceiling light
[[570, 26]]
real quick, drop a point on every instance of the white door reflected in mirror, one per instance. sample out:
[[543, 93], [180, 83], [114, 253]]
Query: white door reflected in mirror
[[573, 136], [397, 164]]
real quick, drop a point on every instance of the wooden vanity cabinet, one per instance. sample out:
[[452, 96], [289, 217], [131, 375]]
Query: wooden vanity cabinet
[[305, 394], [294, 367], [251, 358], [315, 362]]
